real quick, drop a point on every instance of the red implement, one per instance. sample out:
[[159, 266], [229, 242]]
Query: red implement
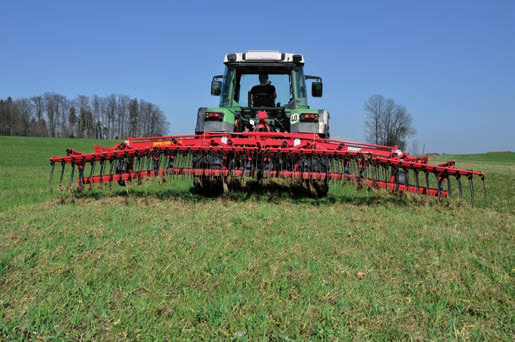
[[212, 157]]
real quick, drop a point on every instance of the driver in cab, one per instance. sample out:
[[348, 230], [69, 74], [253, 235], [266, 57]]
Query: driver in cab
[[263, 94]]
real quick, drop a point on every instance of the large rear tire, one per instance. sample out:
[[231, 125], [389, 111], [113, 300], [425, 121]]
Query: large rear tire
[[210, 186]]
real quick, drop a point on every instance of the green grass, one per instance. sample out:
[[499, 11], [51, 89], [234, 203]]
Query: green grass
[[158, 262]]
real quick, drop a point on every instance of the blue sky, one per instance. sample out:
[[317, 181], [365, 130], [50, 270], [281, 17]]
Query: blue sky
[[450, 63]]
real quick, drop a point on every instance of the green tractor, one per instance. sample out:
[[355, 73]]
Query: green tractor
[[264, 129], [280, 92]]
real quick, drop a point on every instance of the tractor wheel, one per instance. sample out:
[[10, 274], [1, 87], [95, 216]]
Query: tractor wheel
[[210, 186], [122, 168]]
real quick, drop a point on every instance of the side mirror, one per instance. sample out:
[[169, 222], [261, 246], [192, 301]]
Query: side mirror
[[216, 88], [316, 89]]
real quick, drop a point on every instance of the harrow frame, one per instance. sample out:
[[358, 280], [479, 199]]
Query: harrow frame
[[216, 156]]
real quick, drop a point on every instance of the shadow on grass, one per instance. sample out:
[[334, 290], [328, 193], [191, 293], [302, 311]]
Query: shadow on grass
[[270, 191]]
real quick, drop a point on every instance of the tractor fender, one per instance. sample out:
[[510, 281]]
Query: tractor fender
[[201, 116], [323, 123]]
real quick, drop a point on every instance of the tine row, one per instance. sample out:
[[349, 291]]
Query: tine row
[[373, 171]]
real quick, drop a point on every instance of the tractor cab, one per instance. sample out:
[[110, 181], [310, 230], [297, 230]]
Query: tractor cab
[[287, 112]]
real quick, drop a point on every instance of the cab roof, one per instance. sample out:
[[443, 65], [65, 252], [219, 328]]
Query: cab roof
[[253, 56]]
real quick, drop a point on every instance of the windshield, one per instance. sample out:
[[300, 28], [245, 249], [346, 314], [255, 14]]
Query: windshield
[[227, 86], [289, 85], [300, 85], [280, 82]]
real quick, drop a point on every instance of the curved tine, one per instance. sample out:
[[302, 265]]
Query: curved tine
[[81, 174], [52, 164], [63, 164], [113, 163], [427, 182], [73, 172], [417, 183], [102, 170], [160, 162], [471, 181], [165, 163], [147, 169], [439, 184], [460, 187], [449, 188], [362, 169], [92, 171]]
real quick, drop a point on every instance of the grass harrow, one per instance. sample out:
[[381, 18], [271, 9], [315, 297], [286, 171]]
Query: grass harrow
[[214, 159]]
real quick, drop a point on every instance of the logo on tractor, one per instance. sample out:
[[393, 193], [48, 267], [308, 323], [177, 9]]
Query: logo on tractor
[[162, 143], [354, 149]]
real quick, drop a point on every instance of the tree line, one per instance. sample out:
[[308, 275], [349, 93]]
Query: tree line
[[387, 123], [53, 115]]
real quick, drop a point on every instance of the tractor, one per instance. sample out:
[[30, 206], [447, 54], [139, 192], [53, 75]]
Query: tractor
[[263, 128]]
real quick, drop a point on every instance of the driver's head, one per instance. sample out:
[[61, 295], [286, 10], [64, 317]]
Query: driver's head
[[263, 78]]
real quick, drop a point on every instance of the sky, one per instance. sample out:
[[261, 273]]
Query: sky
[[450, 63]]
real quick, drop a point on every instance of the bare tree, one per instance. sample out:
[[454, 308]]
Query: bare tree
[[375, 107], [387, 123], [122, 113], [7, 113], [52, 109], [133, 117], [23, 113], [110, 109], [39, 110], [86, 122], [72, 121], [54, 115]]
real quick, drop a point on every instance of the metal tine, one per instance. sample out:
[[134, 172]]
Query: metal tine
[[449, 188], [460, 187], [138, 164], [439, 184], [149, 158], [165, 163], [73, 172], [417, 183], [173, 160], [471, 181], [51, 174], [362, 168], [92, 171], [116, 163], [427, 182], [113, 162], [102, 171], [177, 157], [398, 182], [157, 164], [63, 164], [80, 167]]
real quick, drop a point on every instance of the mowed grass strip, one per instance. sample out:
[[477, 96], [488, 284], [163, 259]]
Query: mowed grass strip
[[158, 262]]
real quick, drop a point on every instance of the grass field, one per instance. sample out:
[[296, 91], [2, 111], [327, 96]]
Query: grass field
[[158, 262]]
